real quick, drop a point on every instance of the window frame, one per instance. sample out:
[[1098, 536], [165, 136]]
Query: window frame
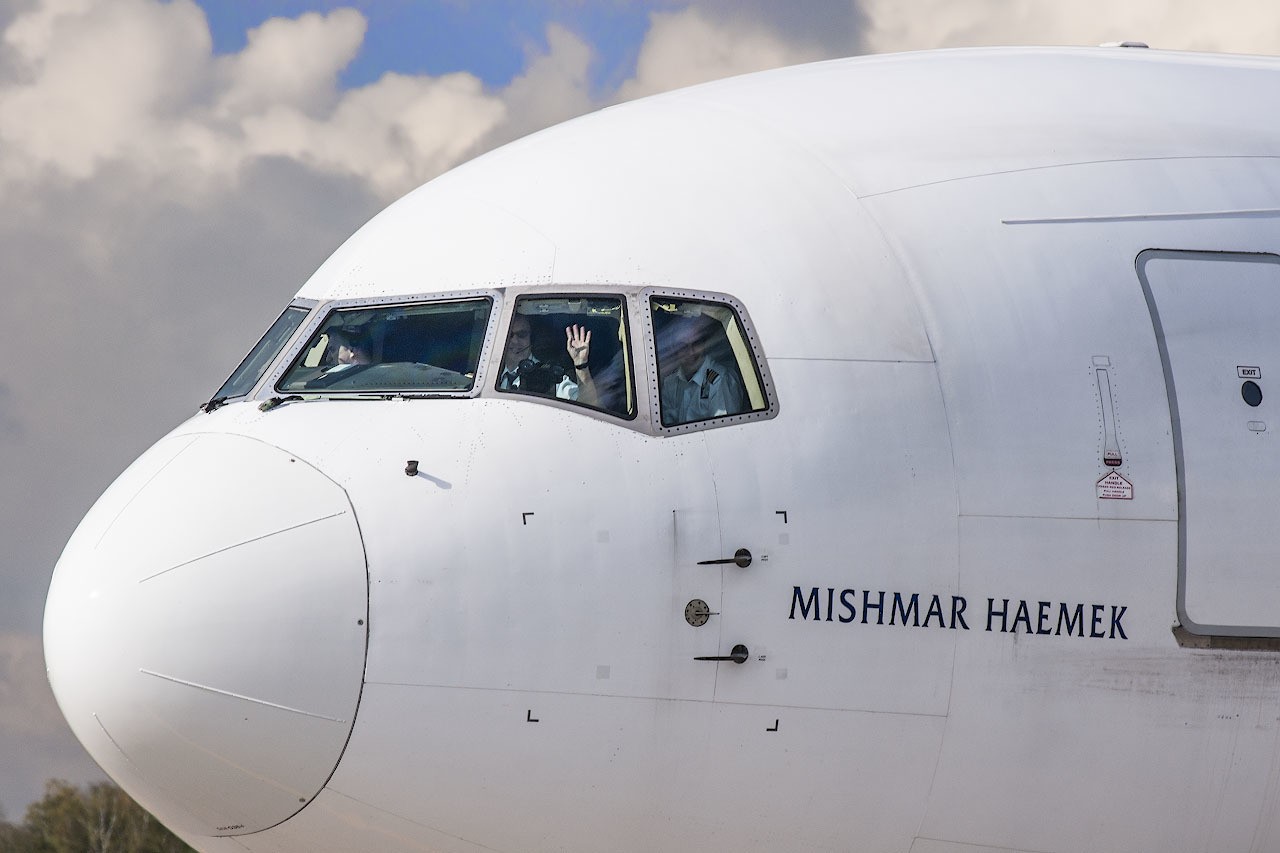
[[641, 343], [625, 297], [306, 305], [324, 310], [767, 389]]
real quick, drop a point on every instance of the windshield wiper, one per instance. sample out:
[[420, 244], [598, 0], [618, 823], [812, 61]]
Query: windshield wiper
[[268, 405]]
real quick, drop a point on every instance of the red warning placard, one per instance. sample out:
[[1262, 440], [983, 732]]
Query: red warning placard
[[1113, 487]]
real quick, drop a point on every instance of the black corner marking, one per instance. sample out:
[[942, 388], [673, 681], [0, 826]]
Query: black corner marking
[[529, 718], [524, 517], [783, 513], [775, 727]]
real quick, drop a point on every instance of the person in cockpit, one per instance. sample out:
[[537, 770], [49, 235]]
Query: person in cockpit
[[524, 371], [699, 387], [349, 347]]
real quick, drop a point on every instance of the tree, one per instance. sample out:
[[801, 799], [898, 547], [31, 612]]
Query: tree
[[101, 819], [16, 839]]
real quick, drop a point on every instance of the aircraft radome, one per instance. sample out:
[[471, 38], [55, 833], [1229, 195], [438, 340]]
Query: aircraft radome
[[868, 455]]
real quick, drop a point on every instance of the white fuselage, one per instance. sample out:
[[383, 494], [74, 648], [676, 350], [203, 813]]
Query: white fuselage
[[1009, 504]]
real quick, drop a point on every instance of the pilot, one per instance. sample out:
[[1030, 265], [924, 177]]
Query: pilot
[[523, 370], [350, 347], [699, 387]]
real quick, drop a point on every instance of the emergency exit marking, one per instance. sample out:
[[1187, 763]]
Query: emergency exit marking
[[1113, 487], [1249, 372]]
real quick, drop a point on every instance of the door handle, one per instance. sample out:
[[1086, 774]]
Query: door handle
[[741, 559], [738, 654]]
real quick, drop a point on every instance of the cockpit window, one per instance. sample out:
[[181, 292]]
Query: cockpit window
[[572, 348], [255, 364], [426, 347], [706, 368]]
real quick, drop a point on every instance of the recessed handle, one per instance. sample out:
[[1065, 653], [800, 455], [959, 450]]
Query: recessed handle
[[741, 559], [1110, 446], [738, 654]]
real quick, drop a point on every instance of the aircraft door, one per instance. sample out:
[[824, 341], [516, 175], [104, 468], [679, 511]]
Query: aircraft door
[[1215, 317]]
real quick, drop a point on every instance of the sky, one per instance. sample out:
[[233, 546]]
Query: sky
[[171, 171]]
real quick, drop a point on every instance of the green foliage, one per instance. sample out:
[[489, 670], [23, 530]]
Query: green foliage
[[16, 839], [99, 819]]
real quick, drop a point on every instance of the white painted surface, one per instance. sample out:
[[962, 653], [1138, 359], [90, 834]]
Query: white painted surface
[[937, 267], [211, 649]]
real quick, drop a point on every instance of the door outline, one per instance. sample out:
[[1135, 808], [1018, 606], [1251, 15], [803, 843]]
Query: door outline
[[1140, 265]]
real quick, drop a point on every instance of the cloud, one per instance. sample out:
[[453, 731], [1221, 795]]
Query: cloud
[[134, 82], [292, 62], [27, 707], [395, 133], [36, 745], [96, 85], [1229, 26], [831, 27], [698, 44], [10, 424], [554, 87], [97, 82]]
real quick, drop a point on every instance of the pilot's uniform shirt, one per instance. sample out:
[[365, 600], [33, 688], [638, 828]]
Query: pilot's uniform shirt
[[566, 390], [711, 392]]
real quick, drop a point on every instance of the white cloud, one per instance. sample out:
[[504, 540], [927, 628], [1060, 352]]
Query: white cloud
[[104, 84], [552, 88], [1228, 26], [281, 99], [134, 83], [98, 82], [31, 34], [293, 62], [394, 134], [694, 45]]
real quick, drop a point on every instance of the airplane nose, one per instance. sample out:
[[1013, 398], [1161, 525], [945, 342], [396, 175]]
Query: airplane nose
[[205, 632]]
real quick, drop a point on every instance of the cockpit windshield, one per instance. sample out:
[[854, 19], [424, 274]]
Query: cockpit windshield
[[255, 364], [573, 348], [425, 347]]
